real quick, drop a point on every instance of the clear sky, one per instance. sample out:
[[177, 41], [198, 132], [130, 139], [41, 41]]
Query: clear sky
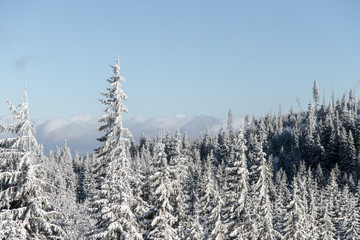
[[178, 57]]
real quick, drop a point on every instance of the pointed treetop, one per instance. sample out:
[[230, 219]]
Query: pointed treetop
[[316, 94], [116, 69], [25, 87], [230, 122], [118, 60]]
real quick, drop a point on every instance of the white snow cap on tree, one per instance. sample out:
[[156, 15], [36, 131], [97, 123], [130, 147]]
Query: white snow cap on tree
[[24, 208], [113, 201], [21, 124]]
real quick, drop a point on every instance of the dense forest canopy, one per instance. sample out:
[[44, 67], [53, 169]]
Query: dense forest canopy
[[280, 176]]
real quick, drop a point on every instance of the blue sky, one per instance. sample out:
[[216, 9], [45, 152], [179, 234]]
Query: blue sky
[[178, 57]]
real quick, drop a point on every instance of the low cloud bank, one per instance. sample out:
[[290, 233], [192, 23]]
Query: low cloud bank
[[81, 134], [152, 126]]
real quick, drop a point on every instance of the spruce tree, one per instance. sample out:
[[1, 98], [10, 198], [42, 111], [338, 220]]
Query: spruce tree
[[313, 198], [217, 230], [331, 206], [316, 95], [326, 226], [230, 123], [25, 211], [113, 201], [179, 168], [351, 224], [282, 197], [159, 220], [207, 195], [295, 220], [236, 190], [261, 205]]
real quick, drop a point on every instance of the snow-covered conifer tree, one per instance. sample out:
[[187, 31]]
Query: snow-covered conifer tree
[[195, 230], [230, 123], [351, 223], [217, 230], [347, 152], [113, 199], [295, 219], [63, 194], [205, 146], [25, 212], [316, 94], [282, 197], [261, 206], [309, 136], [313, 199], [207, 195], [326, 226], [331, 199], [236, 188], [179, 168], [159, 220]]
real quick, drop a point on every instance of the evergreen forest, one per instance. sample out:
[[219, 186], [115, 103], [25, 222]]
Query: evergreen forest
[[291, 175]]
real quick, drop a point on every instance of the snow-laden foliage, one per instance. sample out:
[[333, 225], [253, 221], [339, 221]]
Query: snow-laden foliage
[[159, 219], [289, 175], [113, 200], [25, 212], [261, 206], [236, 190]]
